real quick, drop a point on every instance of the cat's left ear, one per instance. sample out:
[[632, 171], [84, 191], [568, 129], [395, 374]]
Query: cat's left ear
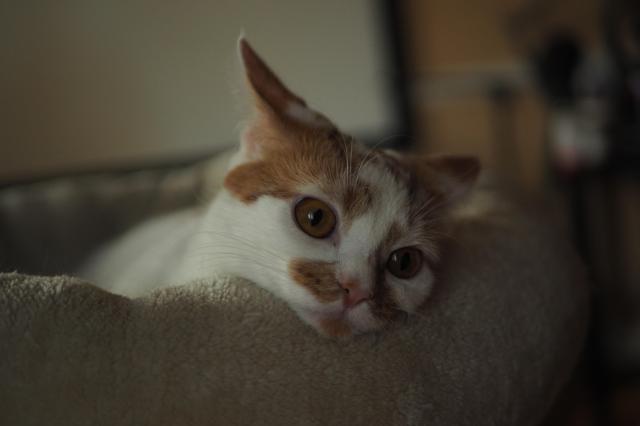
[[454, 175], [278, 110]]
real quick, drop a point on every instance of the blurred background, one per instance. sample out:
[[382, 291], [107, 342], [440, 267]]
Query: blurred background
[[546, 92]]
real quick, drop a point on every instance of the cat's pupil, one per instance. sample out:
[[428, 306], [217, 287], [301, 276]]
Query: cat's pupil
[[315, 216], [405, 261]]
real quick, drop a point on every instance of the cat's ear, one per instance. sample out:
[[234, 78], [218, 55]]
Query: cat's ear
[[454, 175], [277, 109]]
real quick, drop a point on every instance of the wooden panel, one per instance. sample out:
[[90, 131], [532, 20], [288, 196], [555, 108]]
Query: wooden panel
[[471, 126], [460, 48], [455, 33], [451, 35]]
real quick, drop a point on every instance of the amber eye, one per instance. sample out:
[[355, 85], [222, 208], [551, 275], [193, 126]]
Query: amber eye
[[405, 263], [315, 217]]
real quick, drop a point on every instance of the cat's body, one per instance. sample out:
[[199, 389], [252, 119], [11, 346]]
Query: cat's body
[[345, 234], [146, 258]]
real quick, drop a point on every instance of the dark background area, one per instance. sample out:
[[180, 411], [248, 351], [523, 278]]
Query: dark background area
[[547, 93]]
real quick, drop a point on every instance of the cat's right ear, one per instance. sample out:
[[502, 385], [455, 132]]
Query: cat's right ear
[[280, 114], [453, 175]]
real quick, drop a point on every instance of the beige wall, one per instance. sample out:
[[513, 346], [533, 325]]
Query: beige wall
[[87, 84]]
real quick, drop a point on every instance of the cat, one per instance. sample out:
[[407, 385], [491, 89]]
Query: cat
[[348, 236]]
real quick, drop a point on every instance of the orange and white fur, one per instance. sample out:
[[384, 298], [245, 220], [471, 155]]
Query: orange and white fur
[[348, 236]]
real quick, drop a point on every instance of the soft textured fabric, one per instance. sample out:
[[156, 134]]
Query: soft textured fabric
[[51, 226], [493, 346]]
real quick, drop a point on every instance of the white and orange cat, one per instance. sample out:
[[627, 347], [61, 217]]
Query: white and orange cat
[[347, 235]]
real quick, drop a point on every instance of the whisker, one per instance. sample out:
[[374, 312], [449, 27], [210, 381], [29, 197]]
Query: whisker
[[245, 247], [246, 242], [372, 152], [212, 247], [205, 258], [350, 162]]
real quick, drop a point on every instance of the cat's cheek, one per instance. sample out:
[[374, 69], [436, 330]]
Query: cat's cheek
[[409, 295], [362, 320]]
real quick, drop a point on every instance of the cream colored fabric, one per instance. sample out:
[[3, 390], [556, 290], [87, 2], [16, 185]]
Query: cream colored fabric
[[493, 346], [49, 227]]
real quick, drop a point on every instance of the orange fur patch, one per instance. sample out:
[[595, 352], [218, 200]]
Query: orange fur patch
[[356, 201], [250, 181], [315, 158], [317, 277]]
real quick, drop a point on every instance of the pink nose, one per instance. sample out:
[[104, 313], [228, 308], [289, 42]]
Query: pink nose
[[353, 293]]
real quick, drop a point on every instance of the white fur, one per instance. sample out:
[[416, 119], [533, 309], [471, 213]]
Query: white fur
[[145, 258], [258, 240]]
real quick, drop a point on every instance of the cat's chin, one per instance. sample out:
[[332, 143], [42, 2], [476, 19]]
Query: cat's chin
[[344, 322]]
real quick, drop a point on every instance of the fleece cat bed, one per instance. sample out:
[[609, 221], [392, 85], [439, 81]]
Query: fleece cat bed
[[494, 344]]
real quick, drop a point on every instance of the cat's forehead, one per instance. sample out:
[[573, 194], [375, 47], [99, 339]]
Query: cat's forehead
[[396, 212], [356, 180]]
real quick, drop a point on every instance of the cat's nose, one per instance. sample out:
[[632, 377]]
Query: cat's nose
[[354, 293]]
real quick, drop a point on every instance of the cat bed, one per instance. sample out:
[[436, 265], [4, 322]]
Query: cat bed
[[494, 345]]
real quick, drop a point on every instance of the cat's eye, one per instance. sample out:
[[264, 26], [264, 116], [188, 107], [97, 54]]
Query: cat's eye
[[314, 217], [405, 263]]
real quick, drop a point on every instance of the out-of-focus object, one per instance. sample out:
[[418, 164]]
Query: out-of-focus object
[[577, 140], [575, 85]]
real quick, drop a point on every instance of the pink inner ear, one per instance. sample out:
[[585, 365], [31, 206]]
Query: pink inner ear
[[264, 82], [272, 96], [251, 143]]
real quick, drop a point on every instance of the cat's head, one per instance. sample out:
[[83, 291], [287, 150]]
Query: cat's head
[[349, 235]]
